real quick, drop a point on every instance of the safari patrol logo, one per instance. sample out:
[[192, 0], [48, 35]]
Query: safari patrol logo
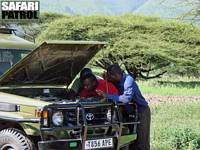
[[19, 10]]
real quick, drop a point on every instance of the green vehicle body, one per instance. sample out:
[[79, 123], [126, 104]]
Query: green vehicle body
[[12, 49], [9, 42], [27, 87]]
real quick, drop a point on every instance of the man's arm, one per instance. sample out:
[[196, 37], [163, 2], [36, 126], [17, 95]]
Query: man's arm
[[127, 94]]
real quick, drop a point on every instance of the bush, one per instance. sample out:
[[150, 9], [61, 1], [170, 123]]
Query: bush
[[175, 126], [184, 139]]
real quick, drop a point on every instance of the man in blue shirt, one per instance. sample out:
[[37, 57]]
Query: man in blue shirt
[[129, 91]]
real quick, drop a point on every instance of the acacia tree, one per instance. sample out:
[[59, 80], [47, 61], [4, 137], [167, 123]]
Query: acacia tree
[[139, 60], [146, 47]]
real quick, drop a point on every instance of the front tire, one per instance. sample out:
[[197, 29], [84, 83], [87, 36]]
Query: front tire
[[14, 139]]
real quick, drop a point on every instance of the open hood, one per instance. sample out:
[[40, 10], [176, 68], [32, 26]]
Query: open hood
[[52, 63]]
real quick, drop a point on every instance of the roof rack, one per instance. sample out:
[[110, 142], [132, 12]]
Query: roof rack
[[5, 30]]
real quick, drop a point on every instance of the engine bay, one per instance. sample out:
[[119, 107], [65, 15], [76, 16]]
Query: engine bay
[[57, 95]]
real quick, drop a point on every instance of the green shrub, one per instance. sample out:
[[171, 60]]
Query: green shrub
[[175, 126], [184, 139]]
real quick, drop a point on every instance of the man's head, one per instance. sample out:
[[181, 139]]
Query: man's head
[[84, 72], [89, 82], [114, 73]]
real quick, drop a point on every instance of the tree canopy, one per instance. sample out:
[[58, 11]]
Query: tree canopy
[[146, 47]]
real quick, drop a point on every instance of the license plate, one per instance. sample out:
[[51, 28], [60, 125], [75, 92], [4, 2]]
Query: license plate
[[99, 143]]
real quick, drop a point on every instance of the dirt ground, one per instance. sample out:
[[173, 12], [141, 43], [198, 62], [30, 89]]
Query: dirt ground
[[170, 99]]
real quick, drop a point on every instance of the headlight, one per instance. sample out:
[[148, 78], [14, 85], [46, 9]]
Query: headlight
[[57, 118]]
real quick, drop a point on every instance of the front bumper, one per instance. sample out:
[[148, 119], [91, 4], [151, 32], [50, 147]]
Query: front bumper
[[58, 145], [77, 144], [122, 132]]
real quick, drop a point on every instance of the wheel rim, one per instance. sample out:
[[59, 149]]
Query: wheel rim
[[7, 147]]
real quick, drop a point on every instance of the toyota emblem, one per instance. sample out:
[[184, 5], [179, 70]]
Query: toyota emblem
[[89, 116]]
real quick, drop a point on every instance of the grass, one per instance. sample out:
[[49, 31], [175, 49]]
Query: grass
[[171, 87], [175, 126]]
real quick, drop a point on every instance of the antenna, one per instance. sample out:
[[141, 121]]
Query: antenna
[[105, 73], [106, 87]]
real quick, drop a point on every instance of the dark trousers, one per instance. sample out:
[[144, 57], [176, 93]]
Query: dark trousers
[[143, 131]]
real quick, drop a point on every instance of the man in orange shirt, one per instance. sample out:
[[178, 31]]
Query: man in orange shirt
[[91, 86]]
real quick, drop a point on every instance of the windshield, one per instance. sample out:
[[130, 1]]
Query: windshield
[[9, 57]]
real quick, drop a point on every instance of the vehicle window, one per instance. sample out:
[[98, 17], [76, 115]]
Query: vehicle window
[[10, 57]]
